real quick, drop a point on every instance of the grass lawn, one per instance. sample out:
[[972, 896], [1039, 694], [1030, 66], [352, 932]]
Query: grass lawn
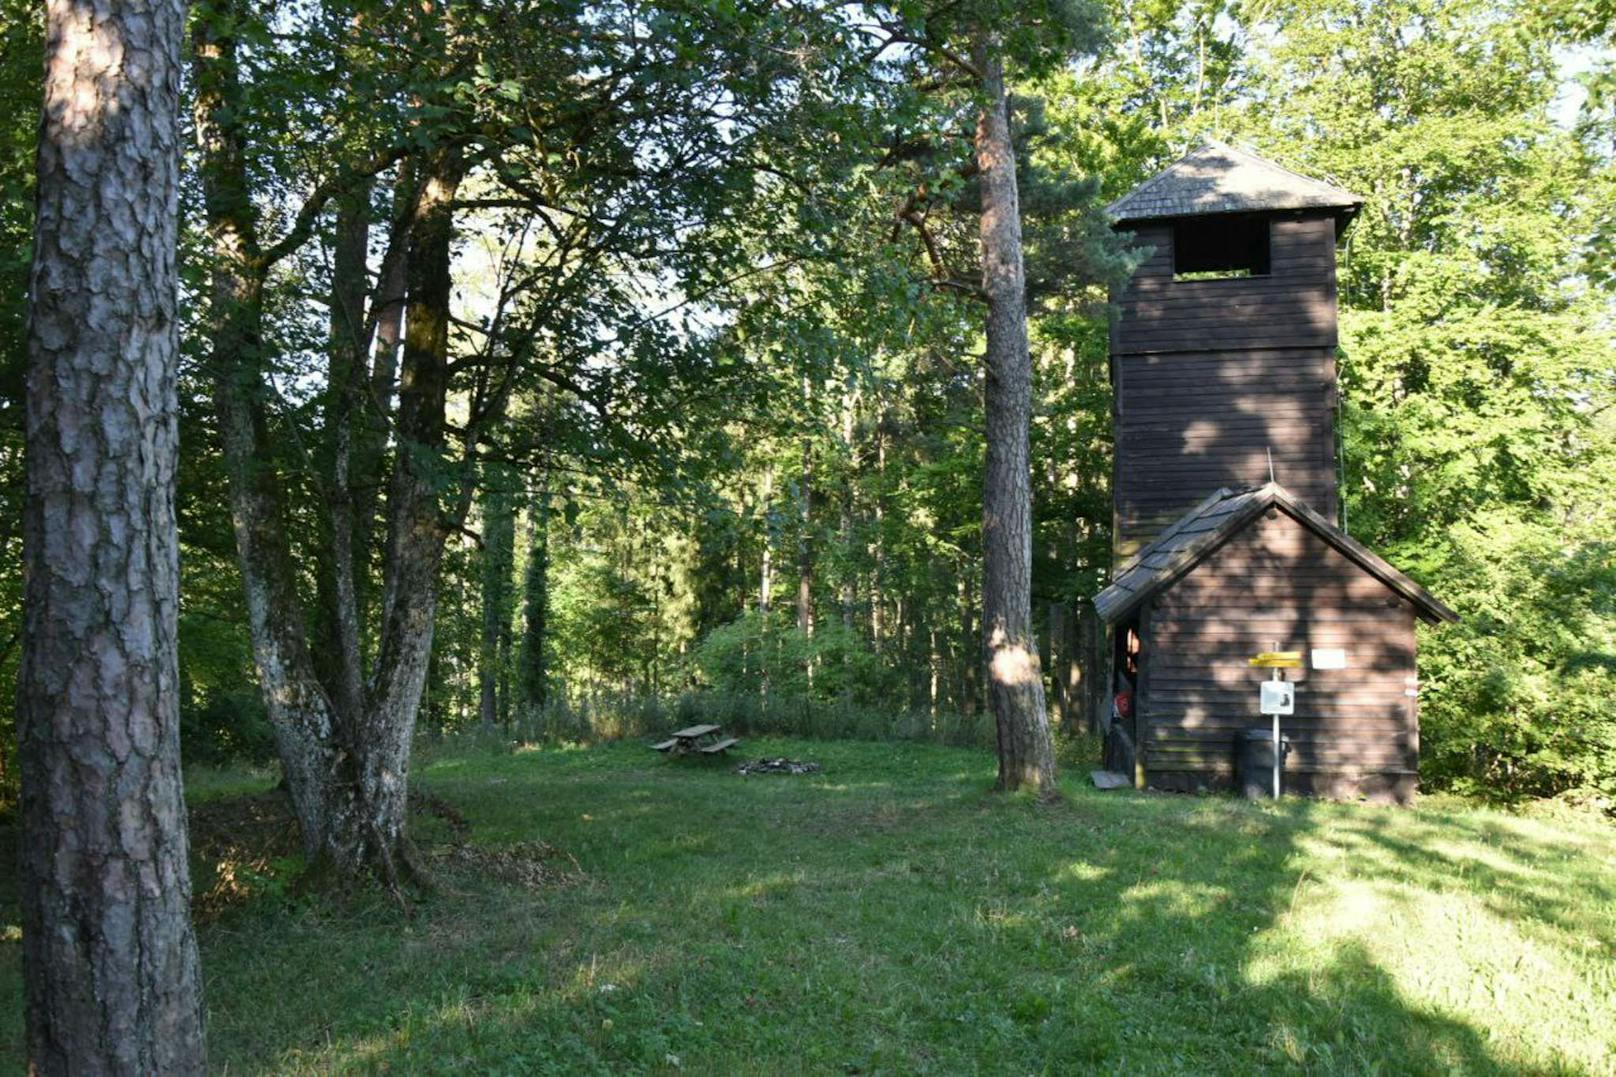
[[891, 915]]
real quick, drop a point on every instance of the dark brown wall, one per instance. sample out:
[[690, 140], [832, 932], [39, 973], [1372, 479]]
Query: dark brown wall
[[1212, 375], [1188, 423], [1293, 306], [1355, 730]]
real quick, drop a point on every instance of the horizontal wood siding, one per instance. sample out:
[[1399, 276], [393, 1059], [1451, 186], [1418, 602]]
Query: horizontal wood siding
[[1187, 423], [1294, 305], [1212, 376], [1355, 729]]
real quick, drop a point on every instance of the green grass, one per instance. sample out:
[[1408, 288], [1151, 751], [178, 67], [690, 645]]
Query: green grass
[[891, 915]]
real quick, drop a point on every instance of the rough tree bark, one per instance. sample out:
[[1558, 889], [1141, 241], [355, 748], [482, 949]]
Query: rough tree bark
[[109, 957], [302, 714], [343, 750], [418, 525], [1015, 684]]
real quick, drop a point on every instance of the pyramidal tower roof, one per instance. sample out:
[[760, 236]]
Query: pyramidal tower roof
[[1219, 178]]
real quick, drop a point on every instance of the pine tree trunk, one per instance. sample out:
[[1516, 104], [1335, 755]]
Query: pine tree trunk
[[1015, 684], [110, 963]]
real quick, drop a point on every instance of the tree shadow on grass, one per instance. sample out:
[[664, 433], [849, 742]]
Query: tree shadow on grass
[[1190, 943], [878, 919], [1138, 934]]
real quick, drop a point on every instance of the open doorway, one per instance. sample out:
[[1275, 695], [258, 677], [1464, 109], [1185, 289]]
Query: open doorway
[[1121, 739]]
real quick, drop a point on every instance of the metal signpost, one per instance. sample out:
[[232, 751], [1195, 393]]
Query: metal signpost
[[1277, 697]]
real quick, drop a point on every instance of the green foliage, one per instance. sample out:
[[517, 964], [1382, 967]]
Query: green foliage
[[744, 354], [1519, 694], [21, 60], [767, 654], [226, 727], [1476, 367]]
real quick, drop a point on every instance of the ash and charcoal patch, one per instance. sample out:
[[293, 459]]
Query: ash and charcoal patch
[[778, 766], [532, 865]]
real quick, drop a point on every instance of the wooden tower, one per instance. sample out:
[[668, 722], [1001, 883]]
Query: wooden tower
[[1227, 537], [1223, 347]]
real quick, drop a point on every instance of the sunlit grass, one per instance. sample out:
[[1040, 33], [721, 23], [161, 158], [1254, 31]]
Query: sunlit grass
[[890, 914]]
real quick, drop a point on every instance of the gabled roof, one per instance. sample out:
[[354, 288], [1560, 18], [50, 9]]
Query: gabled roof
[[1205, 527], [1218, 178]]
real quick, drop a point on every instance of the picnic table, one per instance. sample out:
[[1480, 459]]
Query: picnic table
[[706, 739]]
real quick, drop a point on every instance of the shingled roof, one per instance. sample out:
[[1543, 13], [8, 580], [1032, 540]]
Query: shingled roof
[[1218, 178], [1204, 528]]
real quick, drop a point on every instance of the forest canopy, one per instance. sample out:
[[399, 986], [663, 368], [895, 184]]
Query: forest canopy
[[707, 428]]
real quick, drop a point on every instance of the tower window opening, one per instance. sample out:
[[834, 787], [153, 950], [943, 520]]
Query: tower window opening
[[1218, 248]]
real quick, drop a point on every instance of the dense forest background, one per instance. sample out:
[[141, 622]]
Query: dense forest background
[[740, 471]]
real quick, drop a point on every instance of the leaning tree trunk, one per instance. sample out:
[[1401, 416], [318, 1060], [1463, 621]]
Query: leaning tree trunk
[[110, 961], [344, 754], [303, 716], [1015, 684], [369, 831]]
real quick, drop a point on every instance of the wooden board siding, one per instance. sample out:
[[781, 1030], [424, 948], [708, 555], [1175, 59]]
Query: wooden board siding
[[1355, 730], [1294, 305], [1211, 376], [1187, 423]]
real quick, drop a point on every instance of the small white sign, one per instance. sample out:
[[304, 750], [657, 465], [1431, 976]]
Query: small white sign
[[1277, 697], [1329, 658]]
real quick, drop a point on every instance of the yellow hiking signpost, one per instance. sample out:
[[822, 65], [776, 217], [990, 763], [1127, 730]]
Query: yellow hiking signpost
[[1277, 697]]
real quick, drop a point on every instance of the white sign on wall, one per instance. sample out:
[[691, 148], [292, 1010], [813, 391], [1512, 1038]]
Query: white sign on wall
[[1277, 697], [1329, 658]]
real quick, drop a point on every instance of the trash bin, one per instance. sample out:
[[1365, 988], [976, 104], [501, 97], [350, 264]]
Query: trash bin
[[1256, 750]]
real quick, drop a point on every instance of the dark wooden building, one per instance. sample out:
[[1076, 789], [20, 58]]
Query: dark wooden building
[[1226, 496]]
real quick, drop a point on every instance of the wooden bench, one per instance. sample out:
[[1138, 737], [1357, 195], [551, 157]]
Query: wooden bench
[[707, 739]]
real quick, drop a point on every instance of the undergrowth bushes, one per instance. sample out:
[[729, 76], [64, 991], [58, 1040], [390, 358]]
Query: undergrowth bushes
[[616, 717]]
